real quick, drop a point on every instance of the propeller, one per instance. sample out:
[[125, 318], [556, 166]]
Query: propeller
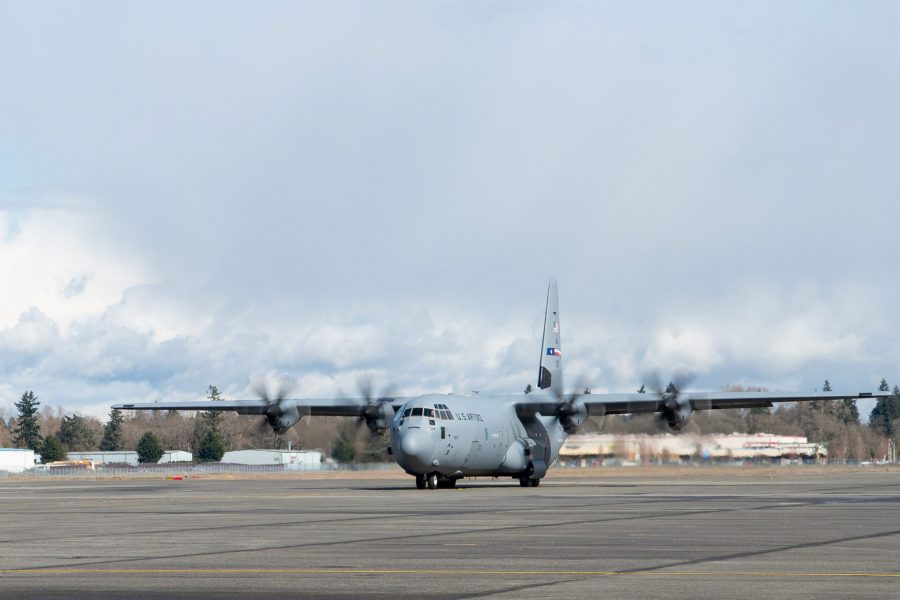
[[674, 410], [377, 411], [574, 415], [273, 393]]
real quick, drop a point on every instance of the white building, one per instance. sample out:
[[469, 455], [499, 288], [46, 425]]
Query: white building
[[585, 450], [129, 457], [176, 456], [16, 460], [108, 457], [300, 460]]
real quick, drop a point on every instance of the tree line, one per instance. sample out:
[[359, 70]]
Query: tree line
[[204, 434], [52, 432]]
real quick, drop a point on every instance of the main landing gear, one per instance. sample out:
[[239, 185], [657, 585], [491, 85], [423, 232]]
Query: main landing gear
[[526, 481], [432, 481]]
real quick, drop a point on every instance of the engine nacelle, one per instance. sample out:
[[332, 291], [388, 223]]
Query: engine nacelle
[[677, 413], [283, 418], [572, 415], [378, 417]]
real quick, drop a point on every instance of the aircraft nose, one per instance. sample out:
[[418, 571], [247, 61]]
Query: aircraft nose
[[416, 446]]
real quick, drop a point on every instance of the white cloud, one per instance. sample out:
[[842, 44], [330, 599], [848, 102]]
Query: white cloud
[[687, 349], [63, 263]]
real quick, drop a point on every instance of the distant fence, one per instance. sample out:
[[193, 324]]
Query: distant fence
[[191, 469], [199, 470]]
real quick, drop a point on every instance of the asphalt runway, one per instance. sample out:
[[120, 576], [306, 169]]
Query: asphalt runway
[[794, 535]]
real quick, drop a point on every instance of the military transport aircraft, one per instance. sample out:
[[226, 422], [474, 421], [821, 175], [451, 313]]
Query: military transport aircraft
[[440, 438]]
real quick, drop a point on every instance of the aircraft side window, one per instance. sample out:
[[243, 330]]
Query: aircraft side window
[[429, 412], [431, 421], [449, 415], [417, 412], [406, 412], [445, 414]]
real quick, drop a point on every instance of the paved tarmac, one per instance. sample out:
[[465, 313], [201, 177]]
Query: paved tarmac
[[703, 535]]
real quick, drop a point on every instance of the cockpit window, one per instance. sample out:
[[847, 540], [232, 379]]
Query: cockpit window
[[429, 412], [417, 412], [406, 412]]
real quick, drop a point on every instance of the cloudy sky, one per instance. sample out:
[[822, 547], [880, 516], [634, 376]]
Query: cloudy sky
[[206, 192]]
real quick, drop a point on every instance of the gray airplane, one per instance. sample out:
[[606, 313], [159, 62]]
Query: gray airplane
[[440, 438]]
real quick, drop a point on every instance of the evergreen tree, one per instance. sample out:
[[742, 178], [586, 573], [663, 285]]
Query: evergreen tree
[[886, 411], [528, 389], [375, 449], [52, 450], [149, 449], [27, 433], [112, 431], [642, 389], [829, 407], [343, 449], [849, 412], [207, 421], [75, 433], [211, 448], [213, 418]]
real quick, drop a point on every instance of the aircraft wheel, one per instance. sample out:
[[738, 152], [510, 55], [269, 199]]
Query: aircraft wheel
[[524, 481], [420, 482], [535, 482], [432, 480], [448, 483]]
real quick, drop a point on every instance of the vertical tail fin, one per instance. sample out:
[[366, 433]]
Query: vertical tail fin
[[550, 374]]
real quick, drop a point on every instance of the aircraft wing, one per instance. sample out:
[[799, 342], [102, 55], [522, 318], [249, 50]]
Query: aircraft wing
[[620, 404], [337, 407]]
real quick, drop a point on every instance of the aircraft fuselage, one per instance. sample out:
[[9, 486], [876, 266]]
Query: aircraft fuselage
[[480, 435]]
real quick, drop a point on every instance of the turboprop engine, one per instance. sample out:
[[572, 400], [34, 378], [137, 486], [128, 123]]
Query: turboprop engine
[[377, 415], [676, 412], [281, 418], [675, 409], [377, 411], [572, 414], [279, 414]]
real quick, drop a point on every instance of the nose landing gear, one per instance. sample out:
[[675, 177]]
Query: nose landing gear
[[433, 481]]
